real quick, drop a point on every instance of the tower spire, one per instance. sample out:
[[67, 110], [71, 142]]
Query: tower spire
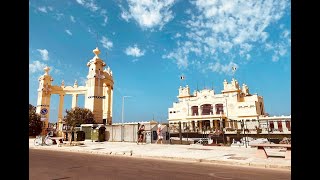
[[96, 51]]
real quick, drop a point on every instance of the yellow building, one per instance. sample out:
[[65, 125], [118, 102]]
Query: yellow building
[[98, 92]]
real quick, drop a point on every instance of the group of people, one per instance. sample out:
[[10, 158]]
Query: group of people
[[141, 134]]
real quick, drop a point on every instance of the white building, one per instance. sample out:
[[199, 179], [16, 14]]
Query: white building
[[206, 110]]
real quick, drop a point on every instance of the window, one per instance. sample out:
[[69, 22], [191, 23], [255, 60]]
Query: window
[[219, 108], [288, 125], [194, 110], [280, 126], [206, 109], [271, 125]]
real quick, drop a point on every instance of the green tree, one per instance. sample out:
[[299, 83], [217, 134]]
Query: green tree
[[35, 123], [77, 116]]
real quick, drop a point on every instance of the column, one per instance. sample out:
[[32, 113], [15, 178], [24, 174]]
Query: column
[[195, 125], [216, 123], [211, 124], [60, 112], [226, 123], [191, 126], [74, 100], [199, 110], [105, 105], [200, 126]]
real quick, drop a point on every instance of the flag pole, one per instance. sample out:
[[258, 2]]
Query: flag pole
[[181, 78], [233, 71]]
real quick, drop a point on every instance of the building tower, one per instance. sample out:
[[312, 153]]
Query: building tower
[[99, 93], [44, 94]]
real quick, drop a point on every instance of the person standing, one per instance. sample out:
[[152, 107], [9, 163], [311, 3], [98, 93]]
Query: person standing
[[159, 133], [141, 134]]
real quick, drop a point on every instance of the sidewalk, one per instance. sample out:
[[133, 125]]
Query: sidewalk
[[196, 153]]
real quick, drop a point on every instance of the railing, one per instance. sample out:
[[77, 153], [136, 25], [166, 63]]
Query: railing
[[234, 131]]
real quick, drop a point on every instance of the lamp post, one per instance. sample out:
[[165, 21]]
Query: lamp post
[[122, 115]]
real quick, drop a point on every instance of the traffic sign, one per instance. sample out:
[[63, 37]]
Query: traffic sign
[[44, 111]]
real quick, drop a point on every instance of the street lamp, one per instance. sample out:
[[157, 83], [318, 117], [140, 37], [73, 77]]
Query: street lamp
[[122, 135]]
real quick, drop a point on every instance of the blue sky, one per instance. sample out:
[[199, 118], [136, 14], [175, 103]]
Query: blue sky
[[149, 44]]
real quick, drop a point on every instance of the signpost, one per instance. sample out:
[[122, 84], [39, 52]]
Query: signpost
[[43, 113]]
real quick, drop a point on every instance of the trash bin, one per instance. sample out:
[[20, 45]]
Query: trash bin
[[102, 134], [98, 133], [80, 136], [94, 134]]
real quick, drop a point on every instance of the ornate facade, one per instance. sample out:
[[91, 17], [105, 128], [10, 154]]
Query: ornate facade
[[98, 92], [205, 110]]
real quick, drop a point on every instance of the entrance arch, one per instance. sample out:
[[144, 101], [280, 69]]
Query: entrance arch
[[98, 93]]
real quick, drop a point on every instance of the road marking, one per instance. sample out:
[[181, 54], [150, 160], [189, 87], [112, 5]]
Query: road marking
[[221, 177]]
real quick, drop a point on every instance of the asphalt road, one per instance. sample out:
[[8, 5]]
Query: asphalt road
[[52, 165]]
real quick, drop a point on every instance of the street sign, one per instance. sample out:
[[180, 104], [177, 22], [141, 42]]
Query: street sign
[[148, 137], [44, 111]]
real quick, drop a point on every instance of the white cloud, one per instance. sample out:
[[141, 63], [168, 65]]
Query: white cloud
[[72, 19], [68, 32], [50, 8], [248, 56], [58, 16], [149, 13], [82, 81], [275, 58], [135, 60], [44, 54], [90, 4], [177, 35], [188, 11], [228, 30], [42, 9], [58, 71], [220, 68], [125, 15], [179, 56], [103, 13], [36, 66], [106, 43], [286, 34], [105, 20], [134, 51]]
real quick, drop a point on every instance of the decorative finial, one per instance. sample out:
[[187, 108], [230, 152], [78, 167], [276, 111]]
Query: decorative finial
[[62, 83], [75, 83], [96, 51], [46, 69]]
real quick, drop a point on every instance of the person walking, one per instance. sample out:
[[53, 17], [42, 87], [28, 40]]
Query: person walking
[[159, 133], [141, 134]]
